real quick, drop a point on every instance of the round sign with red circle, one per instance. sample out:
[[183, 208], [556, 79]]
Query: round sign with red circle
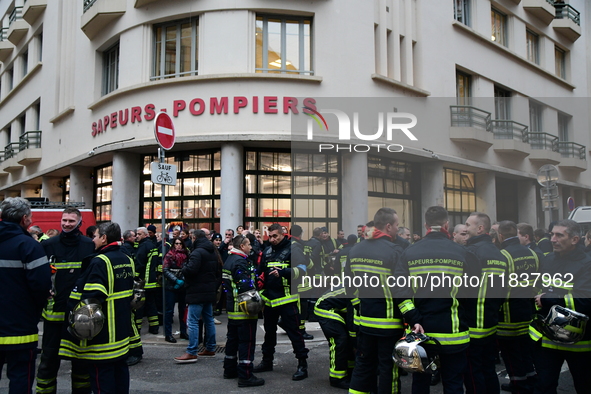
[[164, 130]]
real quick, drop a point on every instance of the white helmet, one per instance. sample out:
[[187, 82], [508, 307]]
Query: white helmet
[[412, 357], [562, 325], [139, 294], [250, 302], [86, 320]]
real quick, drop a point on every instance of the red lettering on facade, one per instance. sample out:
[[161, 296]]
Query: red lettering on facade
[[123, 120], [114, 120], [192, 105], [94, 130], [290, 103], [310, 103], [218, 107], [149, 110], [239, 102], [136, 114], [255, 105], [100, 126], [106, 122], [178, 106], [270, 104]]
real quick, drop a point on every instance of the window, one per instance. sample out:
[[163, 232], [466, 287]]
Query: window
[[502, 103], [560, 62], [499, 27], [22, 120], [532, 40], [462, 11], [194, 200], [10, 78], [460, 195], [283, 45], [66, 189], [111, 69], [176, 49], [25, 62], [463, 88], [40, 42], [390, 184], [104, 193], [563, 121], [535, 117]]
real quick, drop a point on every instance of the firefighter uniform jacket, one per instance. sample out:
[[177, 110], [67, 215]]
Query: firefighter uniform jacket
[[572, 291], [439, 309], [108, 279], [25, 281], [372, 262], [238, 276], [301, 263], [149, 263], [518, 309], [68, 251], [277, 290], [484, 301]]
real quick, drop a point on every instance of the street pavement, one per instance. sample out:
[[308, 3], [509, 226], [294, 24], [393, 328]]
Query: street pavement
[[157, 373]]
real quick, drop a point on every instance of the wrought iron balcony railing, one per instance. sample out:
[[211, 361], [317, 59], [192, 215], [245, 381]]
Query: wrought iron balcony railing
[[468, 116], [11, 150], [88, 4], [572, 149], [4, 34], [509, 129], [15, 15], [567, 11], [30, 139], [539, 140]]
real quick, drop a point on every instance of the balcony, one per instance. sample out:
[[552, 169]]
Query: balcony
[[33, 9], [29, 147], [470, 126], [10, 163], [141, 3], [567, 21], [98, 13], [18, 27], [574, 156], [544, 148], [510, 137], [6, 47], [542, 9]]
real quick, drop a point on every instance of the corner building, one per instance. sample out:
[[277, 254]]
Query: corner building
[[80, 82]]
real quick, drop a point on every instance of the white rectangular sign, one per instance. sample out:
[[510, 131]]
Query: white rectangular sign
[[163, 173]]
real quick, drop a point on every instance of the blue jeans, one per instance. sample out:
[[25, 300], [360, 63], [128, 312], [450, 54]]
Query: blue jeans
[[205, 311], [173, 297]]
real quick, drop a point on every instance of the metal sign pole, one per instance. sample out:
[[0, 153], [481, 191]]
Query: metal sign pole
[[163, 215]]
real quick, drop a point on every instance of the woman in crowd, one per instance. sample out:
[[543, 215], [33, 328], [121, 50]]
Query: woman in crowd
[[175, 287]]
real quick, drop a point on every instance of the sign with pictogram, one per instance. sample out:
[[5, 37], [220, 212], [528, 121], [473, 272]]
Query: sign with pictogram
[[163, 173], [164, 130]]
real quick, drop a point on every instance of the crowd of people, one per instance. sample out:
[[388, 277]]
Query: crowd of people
[[94, 291]]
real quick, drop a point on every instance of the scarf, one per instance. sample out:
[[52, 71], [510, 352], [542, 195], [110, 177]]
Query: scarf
[[238, 252], [439, 229]]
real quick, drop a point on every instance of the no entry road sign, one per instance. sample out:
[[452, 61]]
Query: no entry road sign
[[164, 130]]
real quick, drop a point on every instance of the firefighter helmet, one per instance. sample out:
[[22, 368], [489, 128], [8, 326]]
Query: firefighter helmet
[[250, 302], [86, 320], [562, 325], [412, 357]]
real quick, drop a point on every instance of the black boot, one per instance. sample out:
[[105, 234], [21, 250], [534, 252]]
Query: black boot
[[340, 383], [302, 372], [306, 336], [251, 382], [264, 366]]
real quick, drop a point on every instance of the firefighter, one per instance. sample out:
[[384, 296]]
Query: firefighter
[[334, 312], [66, 252], [438, 311], [277, 273], [569, 268], [149, 266], [517, 311], [483, 305], [304, 290], [380, 322], [239, 277], [108, 282]]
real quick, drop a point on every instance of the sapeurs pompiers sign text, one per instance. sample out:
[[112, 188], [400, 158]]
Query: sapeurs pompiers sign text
[[213, 106]]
